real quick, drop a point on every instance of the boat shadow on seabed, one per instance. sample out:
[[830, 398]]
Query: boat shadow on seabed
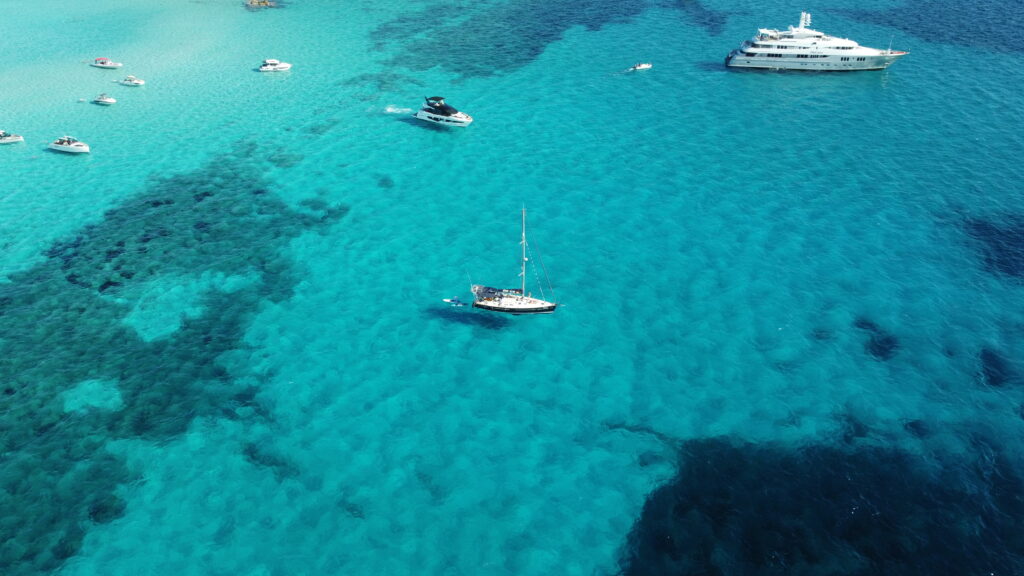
[[466, 315]]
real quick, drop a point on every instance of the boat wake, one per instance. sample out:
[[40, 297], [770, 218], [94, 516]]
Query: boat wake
[[396, 110]]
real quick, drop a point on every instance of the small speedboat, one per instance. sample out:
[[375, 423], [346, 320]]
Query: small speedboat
[[105, 63], [641, 66], [69, 145], [435, 110], [103, 100], [132, 81], [272, 65], [8, 138]]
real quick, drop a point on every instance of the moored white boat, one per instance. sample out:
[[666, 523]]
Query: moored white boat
[[516, 301], [641, 66], [801, 48], [70, 145], [132, 81], [435, 110], [105, 63], [8, 138], [271, 65], [104, 100]]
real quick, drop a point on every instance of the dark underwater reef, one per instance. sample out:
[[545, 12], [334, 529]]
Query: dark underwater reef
[[493, 39], [62, 322], [736, 508], [1001, 243], [994, 24], [509, 35], [881, 345], [712, 21]]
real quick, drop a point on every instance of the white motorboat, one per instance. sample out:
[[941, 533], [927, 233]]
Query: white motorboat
[[105, 63], [801, 48], [435, 110], [641, 66], [515, 301], [132, 81], [70, 145], [271, 65], [8, 138], [104, 100]]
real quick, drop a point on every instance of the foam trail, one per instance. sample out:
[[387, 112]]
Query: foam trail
[[396, 110]]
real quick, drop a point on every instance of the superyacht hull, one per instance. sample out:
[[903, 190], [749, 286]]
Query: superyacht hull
[[826, 64]]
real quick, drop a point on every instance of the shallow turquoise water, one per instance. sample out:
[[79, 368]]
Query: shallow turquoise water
[[794, 260]]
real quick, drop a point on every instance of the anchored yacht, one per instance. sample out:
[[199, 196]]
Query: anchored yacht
[[70, 145], [801, 48], [513, 300], [105, 63], [271, 65], [104, 100], [8, 138], [132, 81], [435, 110]]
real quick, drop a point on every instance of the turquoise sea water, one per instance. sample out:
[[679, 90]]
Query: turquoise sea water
[[790, 336]]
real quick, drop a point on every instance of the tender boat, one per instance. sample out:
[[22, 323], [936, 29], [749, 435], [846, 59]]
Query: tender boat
[[271, 65], [105, 63], [104, 100], [257, 4], [515, 301], [435, 110], [801, 48], [641, 66], [69, 145], [8, 138], [132, 81]]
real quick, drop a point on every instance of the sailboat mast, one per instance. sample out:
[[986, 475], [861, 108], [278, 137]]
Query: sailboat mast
[[522, 272]]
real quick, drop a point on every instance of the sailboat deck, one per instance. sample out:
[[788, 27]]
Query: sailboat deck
[[509, 300]]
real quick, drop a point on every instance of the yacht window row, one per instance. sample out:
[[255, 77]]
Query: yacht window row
[[770, 55], [782, 47]]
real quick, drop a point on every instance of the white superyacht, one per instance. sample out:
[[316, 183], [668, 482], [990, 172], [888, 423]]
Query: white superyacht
[[801, 48]]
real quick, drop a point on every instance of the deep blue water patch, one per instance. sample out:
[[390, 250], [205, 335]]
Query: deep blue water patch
[[917, 428], [1001, 244], [851, 427], [385, 181], [285, 159], [321, 128], [996, 369], [738, 508], [62, 323], [712, 21], [994, 25], [493, 38], [881, 344], [260, 454], [383, 82]]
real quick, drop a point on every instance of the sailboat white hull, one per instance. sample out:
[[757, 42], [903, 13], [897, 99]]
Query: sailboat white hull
[[510, 301]]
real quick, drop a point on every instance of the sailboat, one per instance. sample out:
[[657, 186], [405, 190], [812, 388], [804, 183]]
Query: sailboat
[[513, 300]]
